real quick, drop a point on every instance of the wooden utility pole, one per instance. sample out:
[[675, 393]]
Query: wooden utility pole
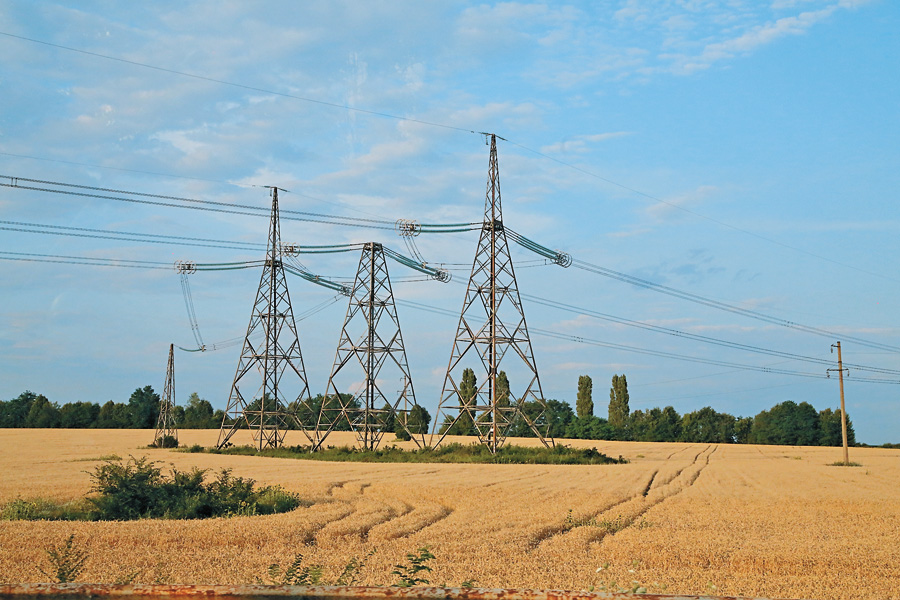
[[840, 371]]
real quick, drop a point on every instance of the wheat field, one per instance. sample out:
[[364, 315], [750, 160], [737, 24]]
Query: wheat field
[[679, 518]]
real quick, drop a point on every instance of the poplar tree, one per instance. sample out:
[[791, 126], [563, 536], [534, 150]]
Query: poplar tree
[[502, 391], [468, 388], [618, 403], [584, 405]]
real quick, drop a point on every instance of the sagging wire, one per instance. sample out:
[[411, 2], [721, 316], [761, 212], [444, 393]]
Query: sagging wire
[[408, 229], [558, 257], [231, 342], [184, 269], [437, 274], [318, 280]]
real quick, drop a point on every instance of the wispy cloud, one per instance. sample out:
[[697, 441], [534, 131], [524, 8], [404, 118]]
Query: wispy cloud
[[675, 206], [580, 143]]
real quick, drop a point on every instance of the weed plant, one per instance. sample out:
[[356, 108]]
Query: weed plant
[[413, 572], [608, 525], [66, 562]]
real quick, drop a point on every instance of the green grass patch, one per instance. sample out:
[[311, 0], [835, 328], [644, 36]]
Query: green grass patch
[[43, 509], [98, 458], [450, 453], [841, 463], [138, 489]]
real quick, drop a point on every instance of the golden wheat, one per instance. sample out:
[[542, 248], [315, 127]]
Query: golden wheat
[[680, 518]]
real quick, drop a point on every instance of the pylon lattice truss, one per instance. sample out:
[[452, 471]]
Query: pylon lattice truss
[[281, 401], [492, 328], [165, 424], [372, 339]]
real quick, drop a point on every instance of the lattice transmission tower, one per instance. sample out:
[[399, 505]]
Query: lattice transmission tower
[[492, 328], [165, 424], [281, 401], [371, 338]]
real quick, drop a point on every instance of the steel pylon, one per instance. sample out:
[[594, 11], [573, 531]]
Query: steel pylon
[[371, 335], [492, 328], [281, 401], [165, 424]]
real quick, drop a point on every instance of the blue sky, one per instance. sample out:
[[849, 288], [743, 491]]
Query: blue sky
[[742, 151]]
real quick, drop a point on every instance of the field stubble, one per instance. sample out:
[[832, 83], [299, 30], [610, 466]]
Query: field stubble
[[680, 518]]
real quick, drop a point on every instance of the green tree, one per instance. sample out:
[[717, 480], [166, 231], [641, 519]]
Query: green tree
[[468, 389], [589, 428], [78, 415], [419, 419], [559, 415], [42, 413], [584, 405], [707, 426], [198, 414], [742, 428], [502, 392], [655, 425], [387, 419], [332, 411], [787, 423], [618, 404], [636, 426], [144, 405], [830, 429], [113, 415], [14, 412]]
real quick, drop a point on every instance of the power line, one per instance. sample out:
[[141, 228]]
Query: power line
[[106, 234], [16, 182], [443, 126], [657, 353], [697, 337], [93, 166], [238, 85], [52, 258], [143, 172], [83, 260], [700, 215], [697, 299], [559, 258]]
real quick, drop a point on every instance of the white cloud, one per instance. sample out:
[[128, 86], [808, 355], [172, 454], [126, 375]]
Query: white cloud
[[580, 143], [677, 205]]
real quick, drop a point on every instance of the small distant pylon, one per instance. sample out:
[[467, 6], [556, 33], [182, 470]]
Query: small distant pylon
[[165, 424], [491, 324], [276, 358], [371, 335]]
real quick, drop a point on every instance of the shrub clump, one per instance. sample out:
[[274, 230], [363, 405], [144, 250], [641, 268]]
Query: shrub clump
[[165, 441], [138, 489]]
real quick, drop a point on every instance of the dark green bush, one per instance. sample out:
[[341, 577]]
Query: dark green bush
[[137, 489], [165, 441]]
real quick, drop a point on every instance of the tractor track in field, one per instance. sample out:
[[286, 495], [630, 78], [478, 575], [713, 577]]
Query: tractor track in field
[[652, 494]]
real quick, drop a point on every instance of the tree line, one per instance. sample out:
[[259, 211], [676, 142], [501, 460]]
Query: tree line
[[142, 411], [787, 423]]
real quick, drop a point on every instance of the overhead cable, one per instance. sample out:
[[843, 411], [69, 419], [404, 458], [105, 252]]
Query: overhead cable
[[697, 299], [658, 353]]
